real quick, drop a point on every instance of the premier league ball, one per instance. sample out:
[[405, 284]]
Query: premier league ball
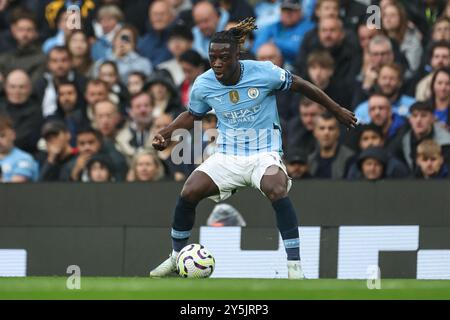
[[195, 261]]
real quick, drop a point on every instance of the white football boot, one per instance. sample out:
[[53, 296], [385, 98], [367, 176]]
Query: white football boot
[[295, 270], [167, 268]]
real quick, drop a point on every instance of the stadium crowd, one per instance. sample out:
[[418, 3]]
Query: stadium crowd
[[85, 85]]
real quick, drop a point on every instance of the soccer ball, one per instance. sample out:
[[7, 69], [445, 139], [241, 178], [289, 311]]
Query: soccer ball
[[195, 261]]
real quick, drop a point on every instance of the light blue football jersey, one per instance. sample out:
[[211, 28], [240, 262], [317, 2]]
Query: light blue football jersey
[[248, 121]]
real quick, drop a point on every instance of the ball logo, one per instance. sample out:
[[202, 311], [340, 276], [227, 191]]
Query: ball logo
[[253, 93]]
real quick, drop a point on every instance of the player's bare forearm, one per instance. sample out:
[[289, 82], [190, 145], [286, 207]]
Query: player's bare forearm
[[184, 121], [317, 95]]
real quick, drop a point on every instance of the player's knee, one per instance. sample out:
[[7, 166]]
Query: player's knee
[[276, 192], [190, 193]]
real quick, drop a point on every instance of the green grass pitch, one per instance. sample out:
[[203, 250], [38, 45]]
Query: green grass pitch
[[218, 289]]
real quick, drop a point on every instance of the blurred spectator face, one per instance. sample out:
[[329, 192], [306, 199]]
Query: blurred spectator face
[[108, 23], [78, 44], [440, 58], [326, 131], [99, 173], [441, 87], [327, 9], [366, 34], [421, 122], [430, 165], [389, 81], [270, 52], [331, 33], [380, 110], [107, 118], [135, 84], [296, 170], [391, 18], [370, 138], [320, 75], [372, 169], [141, 109], [161, 15], [124, 42], [58, 141], [290, 17], [24, 32], [161, 122], [308, 114], [441, 31], [108, 74], [18, 87], [205, 18], [96, 92], [146, 168], [178, 45], [379, 54], [88, 144], [159, 92], [7, 137], [190, 71], [67, 97], [59, 63]]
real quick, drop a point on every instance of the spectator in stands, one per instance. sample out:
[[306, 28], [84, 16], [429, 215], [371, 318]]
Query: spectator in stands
[[372, 164], [331, 158], [125, 56], [430, 161], [320, 72], [164, 94], [16, 165], [59, 68], [118, 92], [110, 19], [287, 34], [396, 25], [326, 9], [297, 164], [24, 110], [24, 51], [441, 30], [330, 36], [371, 136], [300, 129], [153, 45], [238, 9], [146, 167], [352, 12], [192, 65], [59, 39], [180, 41], [389, 83], [59, 152], [208, 19], [440, 58], [107, 118], [96, 91], [423, 127], [80, 52], [100, 169], [135, 134], [70, 109], [287, 102], [136, 82], [440, 96], [365, 34], [267, 13]]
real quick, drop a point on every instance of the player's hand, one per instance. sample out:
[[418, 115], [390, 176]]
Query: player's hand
[[346, 117], [159, 143]]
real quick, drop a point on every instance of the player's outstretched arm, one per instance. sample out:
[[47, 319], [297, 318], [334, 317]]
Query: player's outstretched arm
[[183, 121], [314, 93]]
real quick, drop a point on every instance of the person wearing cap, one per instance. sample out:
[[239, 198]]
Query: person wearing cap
[[16, 165], [372, 163], [423, 127], [59, 151], [287, 34], [370, 136], [164, 94], [100, 169], [297, 164], [180, 40], [153, 45]]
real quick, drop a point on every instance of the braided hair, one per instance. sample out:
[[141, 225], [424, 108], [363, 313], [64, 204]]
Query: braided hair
[[236, 36]]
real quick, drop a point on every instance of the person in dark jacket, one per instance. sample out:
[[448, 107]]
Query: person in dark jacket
[[430, 161], [372, 163]]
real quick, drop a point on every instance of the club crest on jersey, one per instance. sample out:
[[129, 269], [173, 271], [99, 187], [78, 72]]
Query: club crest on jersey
[[253, 93], [234, 96]]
